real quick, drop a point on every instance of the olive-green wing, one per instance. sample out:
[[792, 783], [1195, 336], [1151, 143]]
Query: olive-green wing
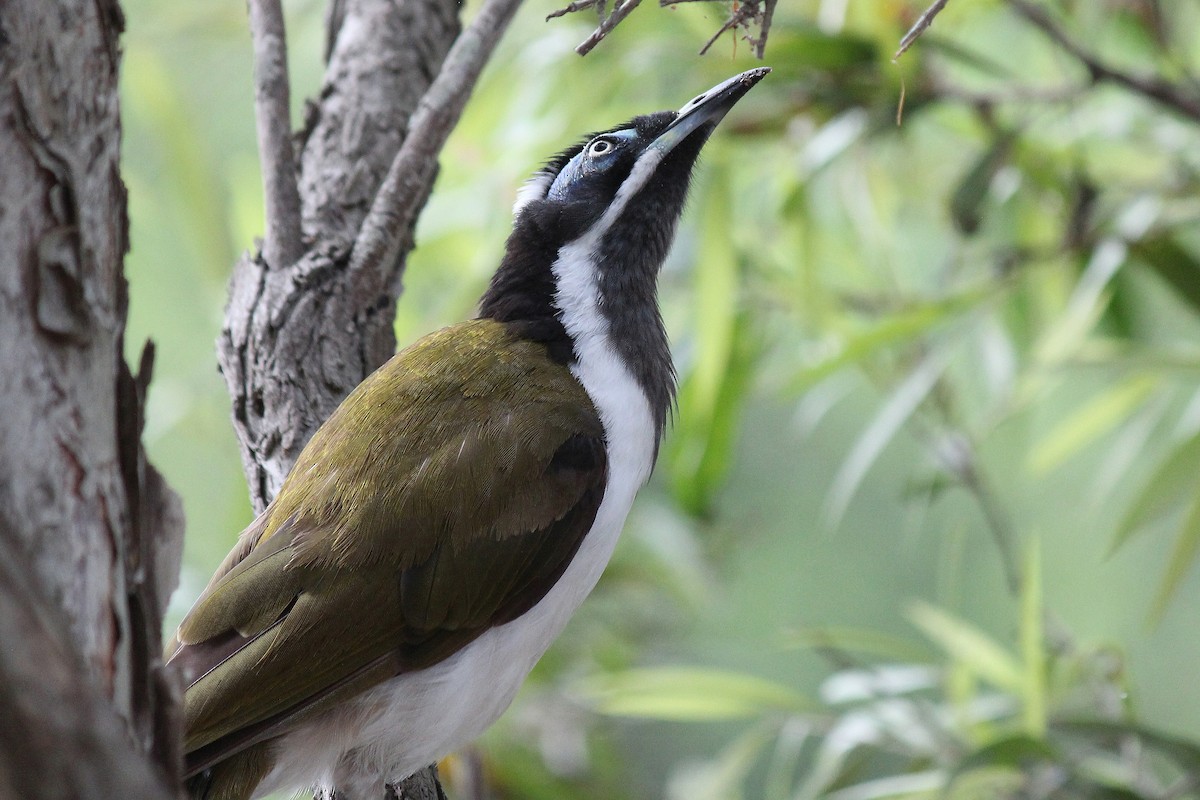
[[437, 502]]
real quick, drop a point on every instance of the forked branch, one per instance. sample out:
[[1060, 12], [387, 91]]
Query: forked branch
[[399, 196], [1170, 95], [272, 104]]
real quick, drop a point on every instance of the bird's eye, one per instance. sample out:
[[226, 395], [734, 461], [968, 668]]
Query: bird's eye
[[600, 147]]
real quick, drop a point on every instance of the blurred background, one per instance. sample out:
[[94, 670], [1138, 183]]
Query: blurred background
[[927, 521]]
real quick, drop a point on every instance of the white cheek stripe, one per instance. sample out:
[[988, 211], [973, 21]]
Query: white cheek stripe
[[536, 188], [620, 400]]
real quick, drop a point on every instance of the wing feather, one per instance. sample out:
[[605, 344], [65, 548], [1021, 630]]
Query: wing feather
[[492, 480]]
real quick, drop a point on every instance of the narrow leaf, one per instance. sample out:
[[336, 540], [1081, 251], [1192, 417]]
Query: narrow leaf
[[716, 291], [1177, 479], [895, 329], [1012, 752], [967, 202], [1097, 417], [688, 694], [1174, 263], [1183, 555], [891, 417], [911, 785], [967, 644]]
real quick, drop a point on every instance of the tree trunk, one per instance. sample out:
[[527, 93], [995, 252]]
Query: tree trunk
[[90, 533], [298, 337]]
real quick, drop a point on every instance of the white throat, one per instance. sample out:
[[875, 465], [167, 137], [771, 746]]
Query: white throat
[[629, 427], [418, 717], [629, 422]]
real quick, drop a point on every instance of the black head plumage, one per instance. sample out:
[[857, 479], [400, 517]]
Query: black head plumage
[[608, 206]]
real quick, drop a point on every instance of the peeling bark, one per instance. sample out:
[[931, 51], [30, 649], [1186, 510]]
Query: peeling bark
[[92, 533], [298, 338]]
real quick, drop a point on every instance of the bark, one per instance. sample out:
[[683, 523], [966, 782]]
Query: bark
[[91, 534], [299, 336], [60, 737]]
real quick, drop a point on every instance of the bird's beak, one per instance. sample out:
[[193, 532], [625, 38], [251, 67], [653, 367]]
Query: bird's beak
[[708, 108]]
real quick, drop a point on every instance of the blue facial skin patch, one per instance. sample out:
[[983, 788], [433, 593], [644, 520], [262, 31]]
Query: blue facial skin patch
[[586, 163]]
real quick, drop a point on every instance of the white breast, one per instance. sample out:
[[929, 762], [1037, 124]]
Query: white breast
[[417, 718]]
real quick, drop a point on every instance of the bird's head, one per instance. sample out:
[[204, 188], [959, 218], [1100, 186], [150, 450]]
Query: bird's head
[[636, 172], [591, 230]]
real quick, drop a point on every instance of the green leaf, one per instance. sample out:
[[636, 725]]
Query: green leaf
[[890, 418], [968, 645], [897, 328], [910, 785], [712, 392], [700, 450], [1174, 263], [1175, 480], [716, 293], [1103, 413], [1090, 790], [723, 777], [800, 48], [1183, 555], [967, 202], [688, 694], [1012, 752]]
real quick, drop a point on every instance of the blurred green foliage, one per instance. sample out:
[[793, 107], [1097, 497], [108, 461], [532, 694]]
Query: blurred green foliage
[[927, 521]]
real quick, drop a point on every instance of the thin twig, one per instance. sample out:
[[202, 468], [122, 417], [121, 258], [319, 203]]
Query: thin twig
[[920, 26], [1153, 87], [764, 28], [571, 8], [741, 15], [620, 11], [272, 110], [735, 19], [396, 202]]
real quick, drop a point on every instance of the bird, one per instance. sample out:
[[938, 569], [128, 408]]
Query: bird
[[440, 528]]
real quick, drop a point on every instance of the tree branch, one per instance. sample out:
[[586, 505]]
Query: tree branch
[[577, 5], [620, 11], [741, 15], [395, 207], [1163, 92], [764, 28], [272, 107], [920, 26], [299, 336]]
